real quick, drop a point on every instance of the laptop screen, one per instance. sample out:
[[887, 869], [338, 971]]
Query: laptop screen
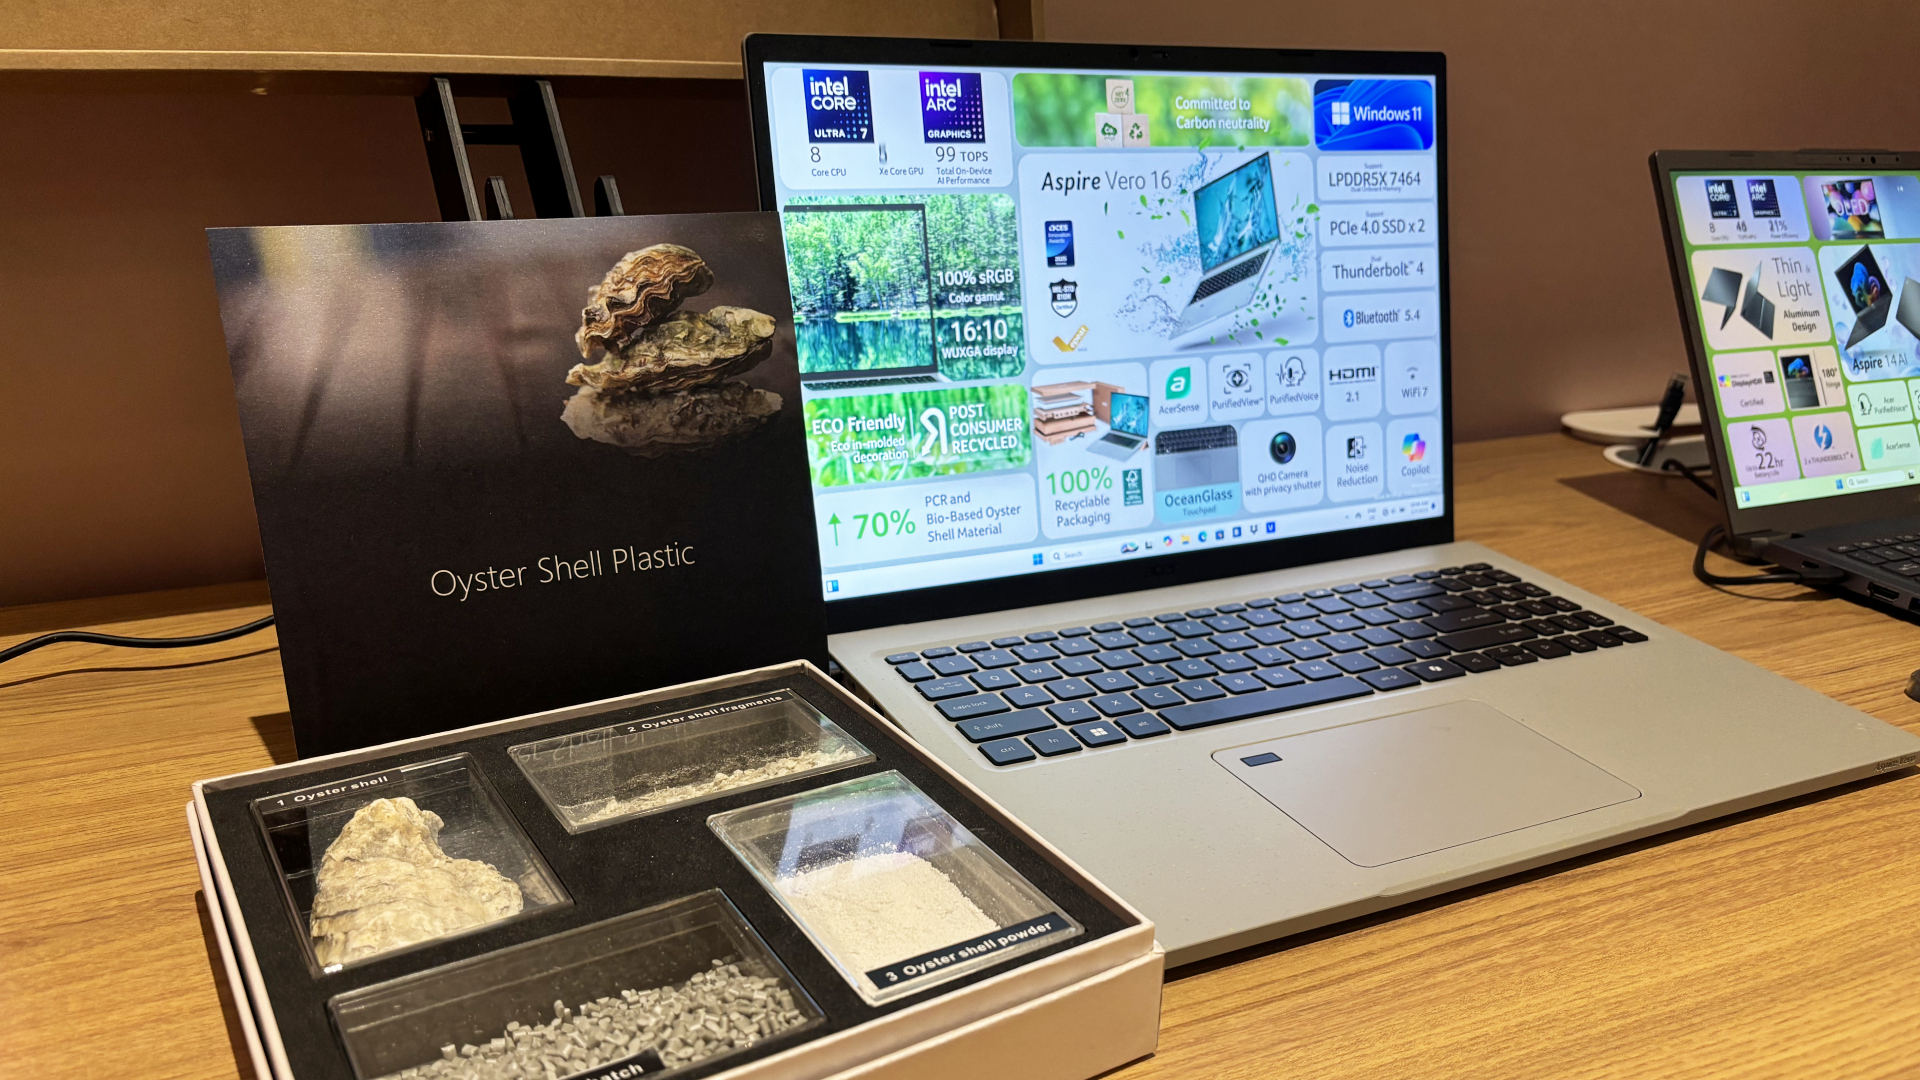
[[1071, 215], [1235, 214], [1807, 290]]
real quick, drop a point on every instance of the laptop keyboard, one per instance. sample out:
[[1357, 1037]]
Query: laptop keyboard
[[1183, 440], [1057, 692], [1229, 277], [892, 380], [1899, 554]]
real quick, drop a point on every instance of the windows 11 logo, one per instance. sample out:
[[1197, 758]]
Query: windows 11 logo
[[1342, 113]]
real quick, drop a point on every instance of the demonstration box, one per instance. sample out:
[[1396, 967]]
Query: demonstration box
[[750, 876]]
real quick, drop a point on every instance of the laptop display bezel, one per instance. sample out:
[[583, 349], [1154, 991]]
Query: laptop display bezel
[[1787, 517], [1178, 568]]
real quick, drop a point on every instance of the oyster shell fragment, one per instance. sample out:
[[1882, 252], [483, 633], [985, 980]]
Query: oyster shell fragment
[[682, 351], [384, 884], [642, 288]]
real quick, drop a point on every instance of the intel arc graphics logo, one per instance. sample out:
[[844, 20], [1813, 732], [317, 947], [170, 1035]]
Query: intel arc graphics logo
[[1373, 114], [839, 106], [951, 109]]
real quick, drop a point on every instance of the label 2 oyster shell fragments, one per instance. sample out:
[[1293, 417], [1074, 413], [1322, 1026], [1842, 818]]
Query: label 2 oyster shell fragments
[[665, 384], [384, 884], [715, 1011]]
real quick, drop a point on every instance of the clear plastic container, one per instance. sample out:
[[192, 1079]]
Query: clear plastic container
[[420, 853], [503, 1005], [594, 778], [897, 894]]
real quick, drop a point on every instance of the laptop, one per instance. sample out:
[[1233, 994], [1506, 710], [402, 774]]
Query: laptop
[[1236, 226], [1813, 437], [1280, 694], [1128, 431], [862, 286]]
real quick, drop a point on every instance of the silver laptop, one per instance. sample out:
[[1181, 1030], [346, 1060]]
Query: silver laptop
[[1236, 226], [1127, 431], [1260, 689]]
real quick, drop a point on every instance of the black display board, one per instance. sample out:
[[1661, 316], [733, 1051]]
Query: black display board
[[454, 532]]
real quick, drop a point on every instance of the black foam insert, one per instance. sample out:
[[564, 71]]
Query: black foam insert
[[610, 871]]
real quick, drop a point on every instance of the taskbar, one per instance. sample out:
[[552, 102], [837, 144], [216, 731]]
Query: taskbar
[[1191, 536], [1817, 487]]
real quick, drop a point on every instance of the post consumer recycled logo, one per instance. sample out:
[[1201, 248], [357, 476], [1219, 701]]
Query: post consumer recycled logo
[[882, 437]]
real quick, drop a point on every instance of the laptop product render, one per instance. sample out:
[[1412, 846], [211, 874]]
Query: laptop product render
[[1257, 686], [1822, 469], [1127, 431], [865, 315], [1236, 225]]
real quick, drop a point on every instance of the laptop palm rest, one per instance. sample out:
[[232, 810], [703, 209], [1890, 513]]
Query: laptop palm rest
[[1389, 789]]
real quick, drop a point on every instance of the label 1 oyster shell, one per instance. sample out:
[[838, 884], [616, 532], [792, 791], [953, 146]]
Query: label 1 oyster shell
[[641, 289]]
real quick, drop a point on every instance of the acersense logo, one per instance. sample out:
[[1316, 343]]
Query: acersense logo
[[1414, 447]]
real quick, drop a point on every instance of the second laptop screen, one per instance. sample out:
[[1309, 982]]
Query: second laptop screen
[[1003, 279]]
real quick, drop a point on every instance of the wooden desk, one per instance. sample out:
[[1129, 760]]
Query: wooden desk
[[1777, 943]]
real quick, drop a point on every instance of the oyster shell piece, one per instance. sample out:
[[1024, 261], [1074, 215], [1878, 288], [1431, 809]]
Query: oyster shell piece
[[641, 289], [647, 425], [685, 350], [384, 883]]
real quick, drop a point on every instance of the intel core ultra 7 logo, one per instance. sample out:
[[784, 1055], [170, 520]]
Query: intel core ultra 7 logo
[[950, 107], [1373, 114], [839, 106]]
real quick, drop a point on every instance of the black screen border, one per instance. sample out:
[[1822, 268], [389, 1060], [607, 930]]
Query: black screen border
[[1130, 575], [1803, 514]]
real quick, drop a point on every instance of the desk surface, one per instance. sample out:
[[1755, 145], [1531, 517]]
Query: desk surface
[[1775, 943]]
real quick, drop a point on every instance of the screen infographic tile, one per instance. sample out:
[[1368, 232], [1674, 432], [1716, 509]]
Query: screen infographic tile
[[1054, 318], [1807, 286]]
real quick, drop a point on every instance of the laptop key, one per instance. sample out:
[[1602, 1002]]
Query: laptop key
[[1577, 643], [1354, 663], [1403, 579], [1170, 617], [1511, 612], [1343, 623], [986, 728], [1426, 575], [953, 665], [1528, 588], [1076, 647], [1260, 618], [995, 658], [1026, 697], [1561, 603], [1007, 751], [1298, 611], [1077, 665], [1153, 675], [1333, 605], [1152, 635], [1114, 639], [1007, 642], [1041, 636], [1073, 712], [1231, 609], [1377, 635], [1503, 577], [1240, 684], [1157, 654], [1426, 650], [966, 708], [1119, 658], [1306, 650], [1035, 653], [1510, 655], [914, 672], [1111, 682], [1263, 602], [941, 689], [1191, 669], [1411, 610], [1342, 590], [1317, 670], [1306, 629], [995, 680], [1035, 673], [1343, 643], [1158, 697], [1475, 662], [1441, 604], [1546, 649], [1098, 733], [1233, 642], [1452, 584], [1269, 656], [1231, 662], [1625, 634], [1412, 630], [1290, 598], [1116, 705], [1380, 617], [1141, 725], [1465, 619], [1391, 656], [1269, 635], [1436, 670], [1280, 699], [1389, 679], [1594, 618], [1315, 594], [1418, 590], [1053, 742], [1190, 628], [1104, 628], [1279, 676], [1199, 690], [1504, 634], [1070, 689], [903, 658], [973, 646], [1197, 648], [1136, 622], [1365, 600], [1226, 623], [1201, 613]]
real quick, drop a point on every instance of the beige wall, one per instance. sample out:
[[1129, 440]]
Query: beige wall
[[1562, 298]]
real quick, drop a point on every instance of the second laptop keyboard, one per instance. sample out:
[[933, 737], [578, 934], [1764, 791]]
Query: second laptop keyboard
[[1055, 692]]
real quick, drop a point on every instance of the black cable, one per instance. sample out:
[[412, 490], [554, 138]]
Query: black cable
[[92, 638], [1812, 578], [1693, 477]]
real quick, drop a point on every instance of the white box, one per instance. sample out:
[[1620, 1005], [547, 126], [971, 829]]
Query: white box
[[1106, 130], [1075, 1013], [1120, 96], [1136, 130]]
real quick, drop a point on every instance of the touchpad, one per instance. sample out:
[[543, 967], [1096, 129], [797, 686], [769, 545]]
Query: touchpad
[[1384, 790]]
